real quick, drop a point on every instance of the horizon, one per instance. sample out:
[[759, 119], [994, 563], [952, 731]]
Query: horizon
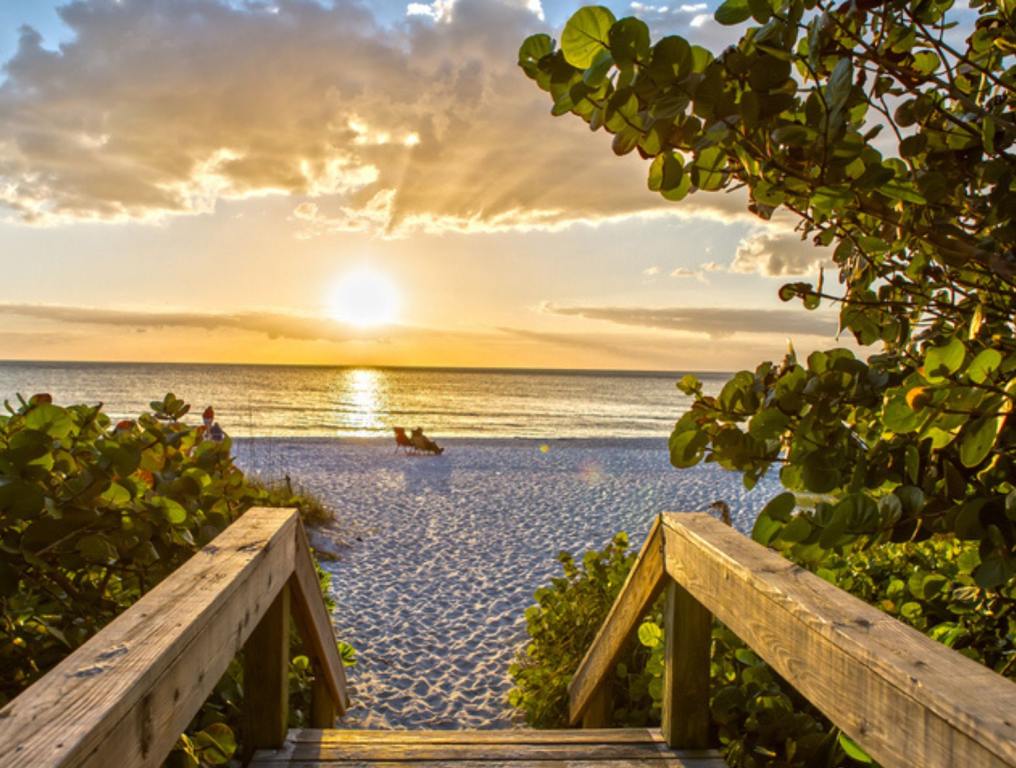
[[342, 366]]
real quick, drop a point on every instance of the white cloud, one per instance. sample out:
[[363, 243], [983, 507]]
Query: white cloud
[[700, 19], [683, 272], [776, 253], [439, 10], [651, 271]]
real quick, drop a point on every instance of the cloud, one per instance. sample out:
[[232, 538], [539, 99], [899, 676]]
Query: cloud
[[683, 272], [272, 325], [778, 253], [715, 322], [649, 10], [651, 271], [154, 109]]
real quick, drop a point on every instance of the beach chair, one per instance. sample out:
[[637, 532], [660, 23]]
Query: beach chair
[[423, 443], [402, 440]]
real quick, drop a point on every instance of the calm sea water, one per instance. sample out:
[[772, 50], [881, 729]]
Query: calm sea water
[[268, 401]]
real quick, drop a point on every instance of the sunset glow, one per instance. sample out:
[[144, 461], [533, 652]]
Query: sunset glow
[[430, 209], [364, 299]]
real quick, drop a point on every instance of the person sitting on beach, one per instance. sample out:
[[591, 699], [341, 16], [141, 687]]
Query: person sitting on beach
[[423, 443], [402, 439], [211, 427]]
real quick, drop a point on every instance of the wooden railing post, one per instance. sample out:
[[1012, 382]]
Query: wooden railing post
[[266, 679], [600, 710], [688, 628], [322, 707]]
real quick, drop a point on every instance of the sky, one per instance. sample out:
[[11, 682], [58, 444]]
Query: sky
[[198, 180]]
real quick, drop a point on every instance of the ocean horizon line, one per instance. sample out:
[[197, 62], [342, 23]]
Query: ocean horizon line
[[351, 366]]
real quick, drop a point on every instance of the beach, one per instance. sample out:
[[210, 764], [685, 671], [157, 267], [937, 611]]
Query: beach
[[438, 557]]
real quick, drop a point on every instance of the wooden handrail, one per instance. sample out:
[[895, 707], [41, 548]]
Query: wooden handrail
[[588, 701], [123, 698], [907, 700]]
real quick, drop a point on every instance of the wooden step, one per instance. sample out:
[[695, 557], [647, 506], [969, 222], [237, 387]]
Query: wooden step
[[596, 748]]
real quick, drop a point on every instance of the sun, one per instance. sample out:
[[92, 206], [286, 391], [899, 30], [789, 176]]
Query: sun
[[364, 298]]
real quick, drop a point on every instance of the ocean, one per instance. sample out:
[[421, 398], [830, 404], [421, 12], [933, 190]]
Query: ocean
[[302, 401]]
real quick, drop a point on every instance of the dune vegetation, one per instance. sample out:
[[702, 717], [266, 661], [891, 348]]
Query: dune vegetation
[[95, 514]]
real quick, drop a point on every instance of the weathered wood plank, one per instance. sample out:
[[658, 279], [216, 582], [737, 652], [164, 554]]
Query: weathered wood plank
[[663, 761], [322, 707], [641, 588], [124, 697], [519, 762], [906, 699], [315, 624], [512, 736], [600, 708], [266, 679], [370, 752], [685, 717]]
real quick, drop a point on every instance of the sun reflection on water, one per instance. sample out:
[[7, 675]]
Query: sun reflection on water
[[361, 396]]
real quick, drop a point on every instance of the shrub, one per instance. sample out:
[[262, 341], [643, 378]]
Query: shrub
[[761, 721], [562, 626], [95, 514]]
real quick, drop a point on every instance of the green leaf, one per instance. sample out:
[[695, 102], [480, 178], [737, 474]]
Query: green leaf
[[765, 529], [761, 11], [732, 12], [532, 50], [598, 71], [96, 548], [902, 191], [586, 34], [926, 62], [983, 365], [629, 41], [818, 476], [687, 448], [979, 439], [798, 529], [995, 571], [708, 168], [853, 749], [666, 172], [944, 360], [690, 385], [650, 634], [174, 512], [671, 59], [840, 82], [116, 495], [781, 507], [51, 419], [216, 743]]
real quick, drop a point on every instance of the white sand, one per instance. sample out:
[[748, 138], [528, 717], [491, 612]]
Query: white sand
[[445, 553]]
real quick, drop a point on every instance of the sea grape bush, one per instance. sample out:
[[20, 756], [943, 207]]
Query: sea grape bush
[[93, 515], [760, 720], [917, 439], [562, 625]]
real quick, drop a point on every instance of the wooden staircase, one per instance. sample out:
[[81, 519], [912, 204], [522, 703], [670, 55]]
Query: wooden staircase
[[605, 748], [122, 699]]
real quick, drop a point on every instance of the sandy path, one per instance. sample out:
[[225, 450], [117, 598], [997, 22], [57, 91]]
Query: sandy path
[[446, 553]]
